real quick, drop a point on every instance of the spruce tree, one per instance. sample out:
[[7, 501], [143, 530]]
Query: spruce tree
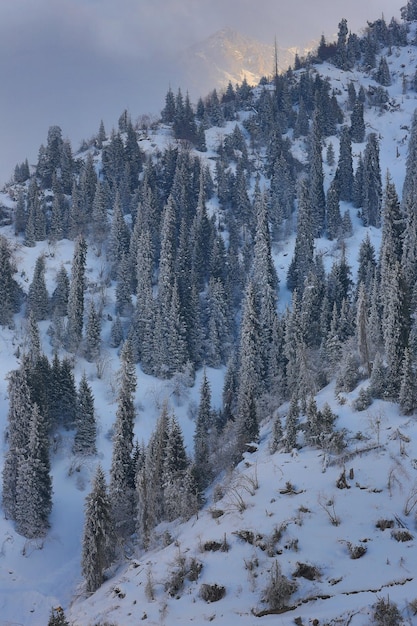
[[92, 334], [67, 394], [119, 238], [357, 124], [291, 425], [34, 485], [150, 480], [19, 417], [362, 329], [59, 299], [251, 372], [366, 265], [76, 295], [395, 325], [302, 260], [219, 337], [316, 177], [408, 391], [38, 298], [143, 317], [9, 289], [121, 488], [204, 436], [372, 194], [85, 421], [174, 473], [382, 74], [334, 220], [344, 173], [98, 535], [116, 333]]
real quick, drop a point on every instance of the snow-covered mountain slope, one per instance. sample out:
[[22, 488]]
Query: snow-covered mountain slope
[[345, 543], [341, 526]]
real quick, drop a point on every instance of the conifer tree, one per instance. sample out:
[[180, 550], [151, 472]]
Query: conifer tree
[[150, 480], [168, 112], [382, 74], [119, 238], [9, 289], [291, 425], [124, 286], [408, 391], [38, 298], [358, 183], [316, 177], [378, 380], [20, 214], [302, 260], [76, 295], [408, 191], [204, 436], [143, 318], [59, 215], [34, 485], [357, 124], [372, 186], [251, 372], [85, 421], [33, 340], [219, 338], [334, 220], [342, 59], [100, 209], [116, 333], [366, 265], [344, 172], [121, 488], [59, 299], [362, 329], [19, 416], [92, 333], [395, 325], [175, 465], [98, 535], [67, 394]]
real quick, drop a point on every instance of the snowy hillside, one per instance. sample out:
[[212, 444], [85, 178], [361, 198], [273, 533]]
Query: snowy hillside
[[310, 527]]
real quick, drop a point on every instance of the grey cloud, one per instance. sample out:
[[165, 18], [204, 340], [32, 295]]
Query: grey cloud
[[74, 62]]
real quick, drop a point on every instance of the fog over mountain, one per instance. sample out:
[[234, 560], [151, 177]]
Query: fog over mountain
[[76, 61]]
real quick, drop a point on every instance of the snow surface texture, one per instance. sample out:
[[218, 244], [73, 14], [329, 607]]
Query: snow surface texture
[[282, 506]]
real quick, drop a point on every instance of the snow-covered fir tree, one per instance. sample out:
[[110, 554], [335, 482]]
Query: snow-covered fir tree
[[98, 535]]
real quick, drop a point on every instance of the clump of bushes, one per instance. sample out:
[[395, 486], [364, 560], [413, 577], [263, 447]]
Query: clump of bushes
[[212, 593], [382, 524], [401, 534], [304, 570], [216, 546], [386, 613]]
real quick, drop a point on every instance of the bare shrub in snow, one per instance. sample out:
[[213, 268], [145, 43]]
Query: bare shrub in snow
[[386, 613], [279, 589]]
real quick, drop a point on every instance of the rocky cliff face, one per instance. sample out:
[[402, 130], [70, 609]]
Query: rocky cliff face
[[228, 55]]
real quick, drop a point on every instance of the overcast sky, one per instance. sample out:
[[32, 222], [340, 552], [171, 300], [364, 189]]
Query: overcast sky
[[75, 62]]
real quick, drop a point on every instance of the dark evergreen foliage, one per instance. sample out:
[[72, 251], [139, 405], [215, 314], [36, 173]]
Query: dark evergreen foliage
[[98, 536], [85, 421], [9, 289]]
